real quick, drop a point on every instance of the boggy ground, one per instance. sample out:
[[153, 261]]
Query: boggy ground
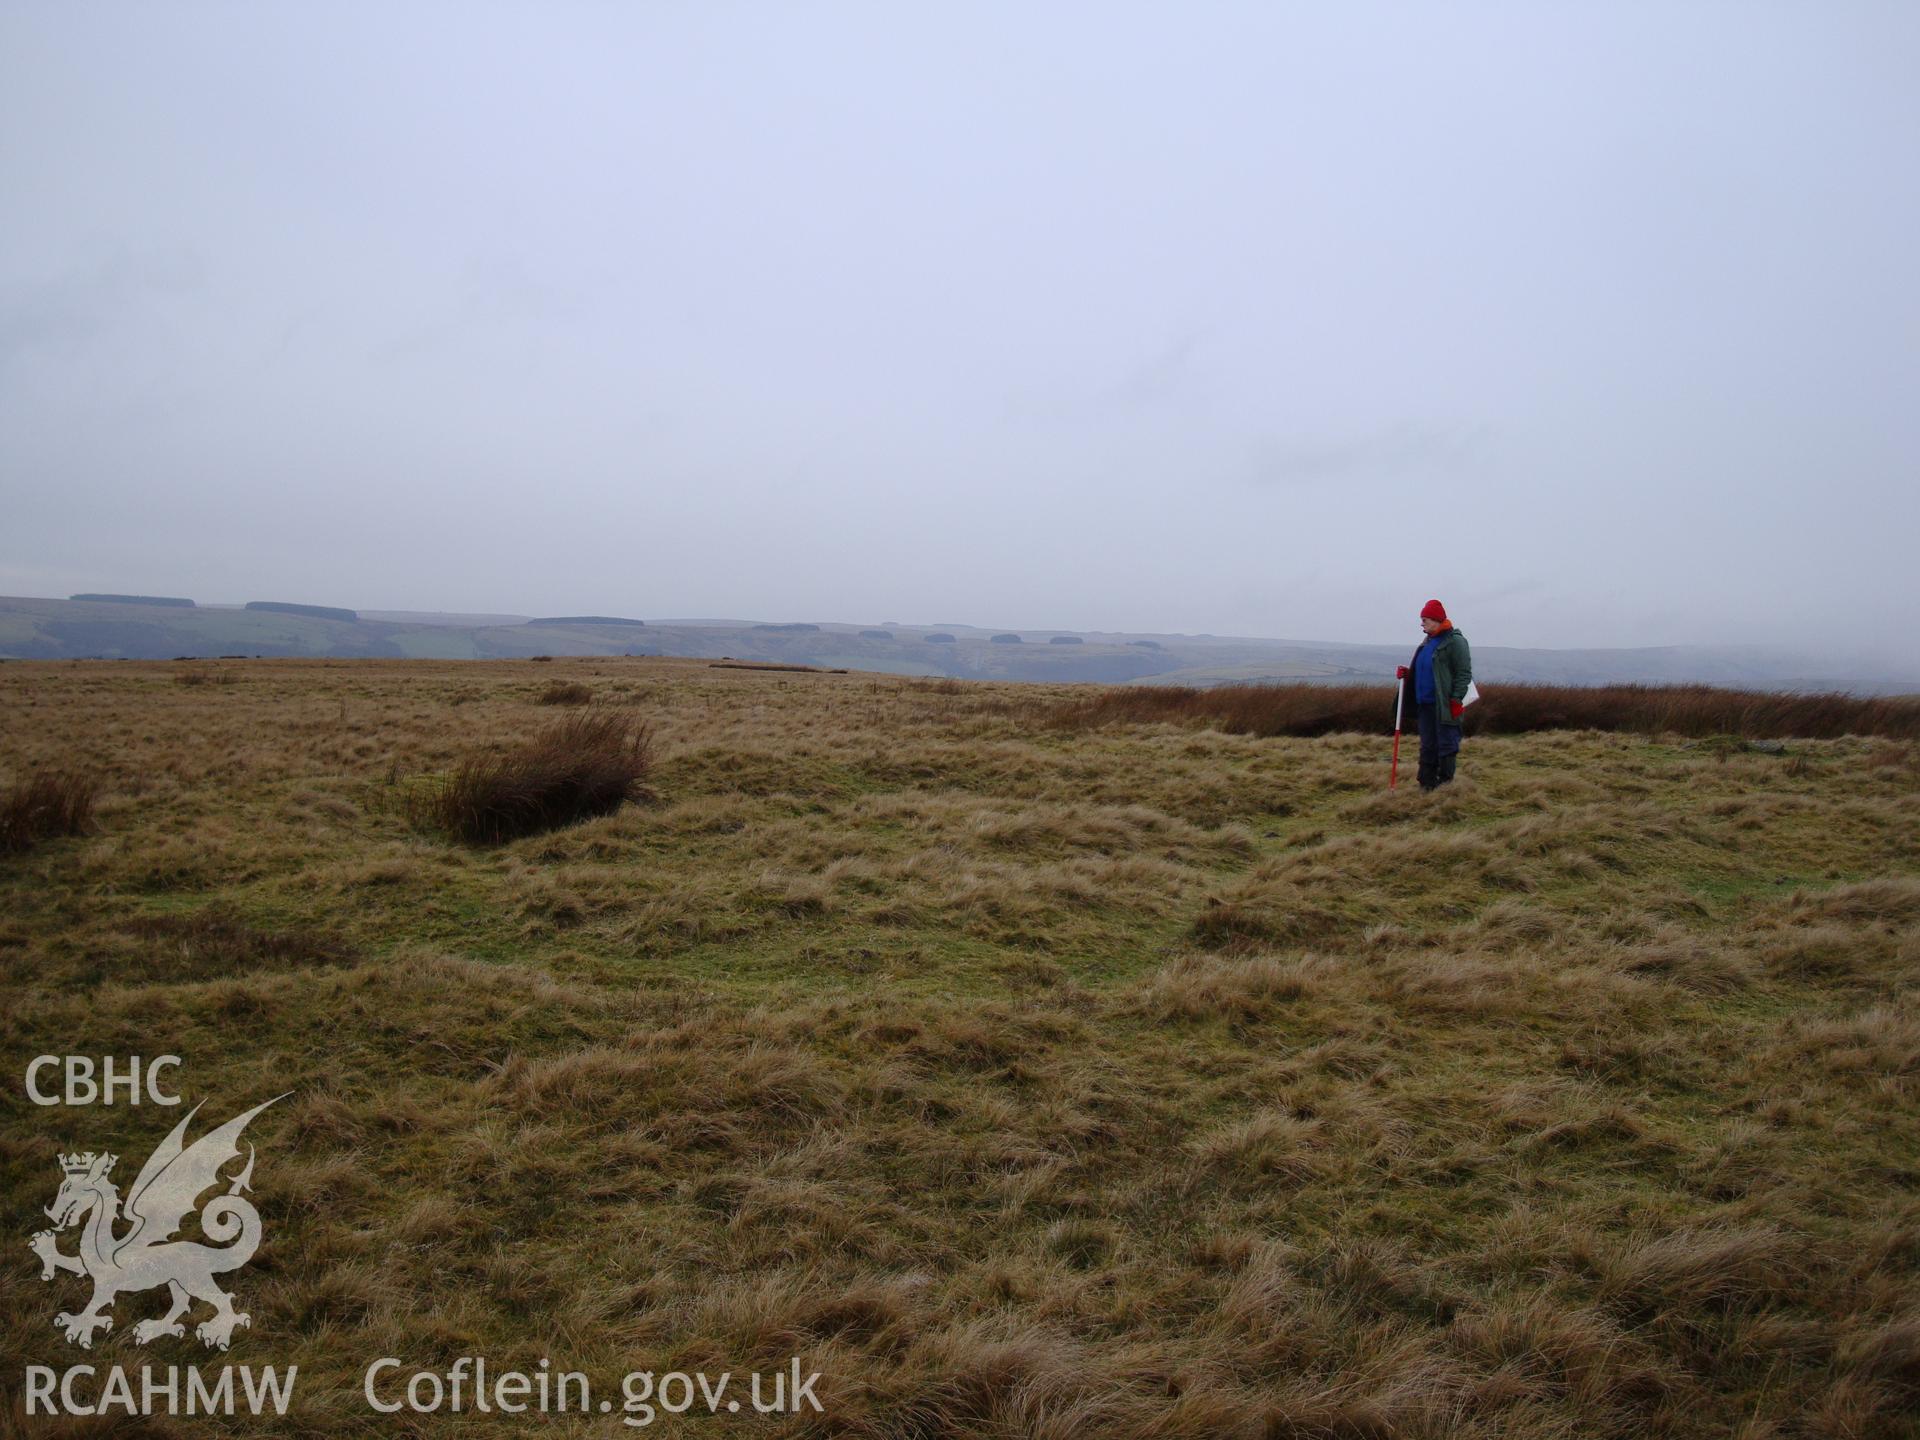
[[1023, 1080]]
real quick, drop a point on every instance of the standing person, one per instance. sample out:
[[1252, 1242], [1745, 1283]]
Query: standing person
[[1442, 669]]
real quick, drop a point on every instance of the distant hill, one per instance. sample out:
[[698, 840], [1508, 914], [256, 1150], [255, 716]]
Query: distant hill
[[441, 617], [175, 600], [130, 627], [312, 612]]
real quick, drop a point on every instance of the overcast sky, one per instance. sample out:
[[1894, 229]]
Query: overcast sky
[[1600, 322]]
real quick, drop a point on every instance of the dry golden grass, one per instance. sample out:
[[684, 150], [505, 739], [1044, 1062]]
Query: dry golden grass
[[566, 692], [1702, 711], [1144, 1081], [580, 767], [43, 806]]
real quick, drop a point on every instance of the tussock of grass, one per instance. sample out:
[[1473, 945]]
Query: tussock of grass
[[582, 766], [49, 805], [565, 692], [1197, 987], [1694, 1270], [1701, 711]]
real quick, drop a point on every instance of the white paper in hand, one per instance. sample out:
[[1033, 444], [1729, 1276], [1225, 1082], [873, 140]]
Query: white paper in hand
[[1473, 694]]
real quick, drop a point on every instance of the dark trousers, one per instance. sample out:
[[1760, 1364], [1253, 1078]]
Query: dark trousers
[[1439, 746]]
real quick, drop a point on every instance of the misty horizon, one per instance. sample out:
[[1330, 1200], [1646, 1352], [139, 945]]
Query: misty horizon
[[1837, 662]]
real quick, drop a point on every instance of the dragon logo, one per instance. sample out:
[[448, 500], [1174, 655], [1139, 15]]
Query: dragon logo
[[146, 1255]]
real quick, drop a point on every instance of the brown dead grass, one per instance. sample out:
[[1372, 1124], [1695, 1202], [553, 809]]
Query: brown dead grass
[[50, 805], [206, 677], [565, 692], [1700, 711], [582, 766]]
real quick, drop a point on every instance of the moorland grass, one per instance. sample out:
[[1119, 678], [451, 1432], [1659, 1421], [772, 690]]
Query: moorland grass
[[1696, 711], [1575, 1100], [44, 806], [581, 766], [205, 677]]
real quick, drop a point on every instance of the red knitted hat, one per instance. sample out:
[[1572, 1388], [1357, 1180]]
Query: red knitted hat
[[1434, 610]]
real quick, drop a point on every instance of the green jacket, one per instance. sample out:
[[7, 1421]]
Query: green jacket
[[1452, 673]]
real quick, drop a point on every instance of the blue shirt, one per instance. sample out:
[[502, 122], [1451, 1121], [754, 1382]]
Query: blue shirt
[[1423, 691]]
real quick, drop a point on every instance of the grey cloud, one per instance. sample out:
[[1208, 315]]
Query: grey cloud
[[1406, 447], [1157, 377], [84, 301], [1102, 393]]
